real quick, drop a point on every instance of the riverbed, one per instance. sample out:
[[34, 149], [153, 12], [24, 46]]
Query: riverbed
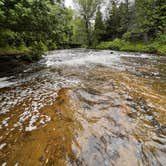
[[81, 107]]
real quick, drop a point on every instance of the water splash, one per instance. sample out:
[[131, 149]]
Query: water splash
[[85, 107]]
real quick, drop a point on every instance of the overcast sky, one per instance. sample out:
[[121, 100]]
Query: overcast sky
[[68, 3]]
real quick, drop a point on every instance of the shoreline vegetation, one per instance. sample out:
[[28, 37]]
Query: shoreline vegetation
[[30, 54], [154, 47], [30, 28], [35, 53]]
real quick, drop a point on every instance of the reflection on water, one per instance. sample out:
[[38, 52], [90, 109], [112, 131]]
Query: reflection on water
[[85, 107]]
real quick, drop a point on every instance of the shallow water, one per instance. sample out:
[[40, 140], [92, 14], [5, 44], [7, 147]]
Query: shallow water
[[86, 108]]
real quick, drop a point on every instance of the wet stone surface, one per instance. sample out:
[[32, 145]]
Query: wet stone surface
[[85, 108]]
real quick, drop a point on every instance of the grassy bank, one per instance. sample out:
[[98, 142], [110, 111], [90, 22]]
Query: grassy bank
[[156, 47], [10, 50], [32, 53]]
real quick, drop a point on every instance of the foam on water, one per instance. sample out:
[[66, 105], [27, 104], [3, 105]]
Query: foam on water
[[5, 82], [99, 107], [82, 58]]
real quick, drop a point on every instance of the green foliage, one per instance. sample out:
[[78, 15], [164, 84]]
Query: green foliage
[[51, 45], [87, 10], [162, 50], [161, 39], [36, 51], [122, 45], [138, 47], [79, 31], [114, 45], [127, 36], [149, 20], [34, 23], [118, 19], [22, 49], [7, 37], [99, 28], [138, 21], [35, 26]]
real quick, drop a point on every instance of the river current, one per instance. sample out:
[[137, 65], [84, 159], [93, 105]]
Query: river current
[[85, 108]]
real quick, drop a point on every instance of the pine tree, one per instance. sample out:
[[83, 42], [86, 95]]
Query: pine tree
[[99, 28], [113, 22]]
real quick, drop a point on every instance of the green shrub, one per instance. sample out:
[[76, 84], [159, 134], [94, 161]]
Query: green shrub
[[161, 39], [51, 45], [22, 49], [162, 50], [7, 37], [157, 46], [36, 51], [40, 46], [115, 45], [153, 47], [103, 45], [127, 36]]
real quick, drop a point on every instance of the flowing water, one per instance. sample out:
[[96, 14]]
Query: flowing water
[[85, 108]]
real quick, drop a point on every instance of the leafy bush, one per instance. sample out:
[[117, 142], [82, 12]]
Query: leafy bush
[[153, 46], [162, 50], [22, 49], [136, 47], [121, 45], [161, 39], [115, 45], [37, 50], [51, 45], [7, 37], [127, 36]]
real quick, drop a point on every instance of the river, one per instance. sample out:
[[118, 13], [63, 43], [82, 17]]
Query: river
[[85, 108]]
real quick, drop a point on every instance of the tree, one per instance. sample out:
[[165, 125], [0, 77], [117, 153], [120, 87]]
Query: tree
[[87, 10], [143, 22], [113, 21], [79, 32], [99, 28], [125, 14], [150, 18], [26, 21], [159, 17]]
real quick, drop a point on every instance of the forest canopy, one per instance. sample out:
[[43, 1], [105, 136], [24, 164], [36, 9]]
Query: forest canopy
[[38, 24], [134, 21], [32, 25]]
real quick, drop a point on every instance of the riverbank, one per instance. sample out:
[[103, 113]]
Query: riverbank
[[122, 45], [33, 53], [11, 63], [28, 54], [11, 50]]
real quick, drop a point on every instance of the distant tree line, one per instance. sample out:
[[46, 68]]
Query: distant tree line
[[34, 26], [139, 20]]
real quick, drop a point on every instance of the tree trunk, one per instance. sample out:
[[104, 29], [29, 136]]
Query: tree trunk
[[88, 33], [145, 37]]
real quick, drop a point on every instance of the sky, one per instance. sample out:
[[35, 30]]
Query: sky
[[68, 3]]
